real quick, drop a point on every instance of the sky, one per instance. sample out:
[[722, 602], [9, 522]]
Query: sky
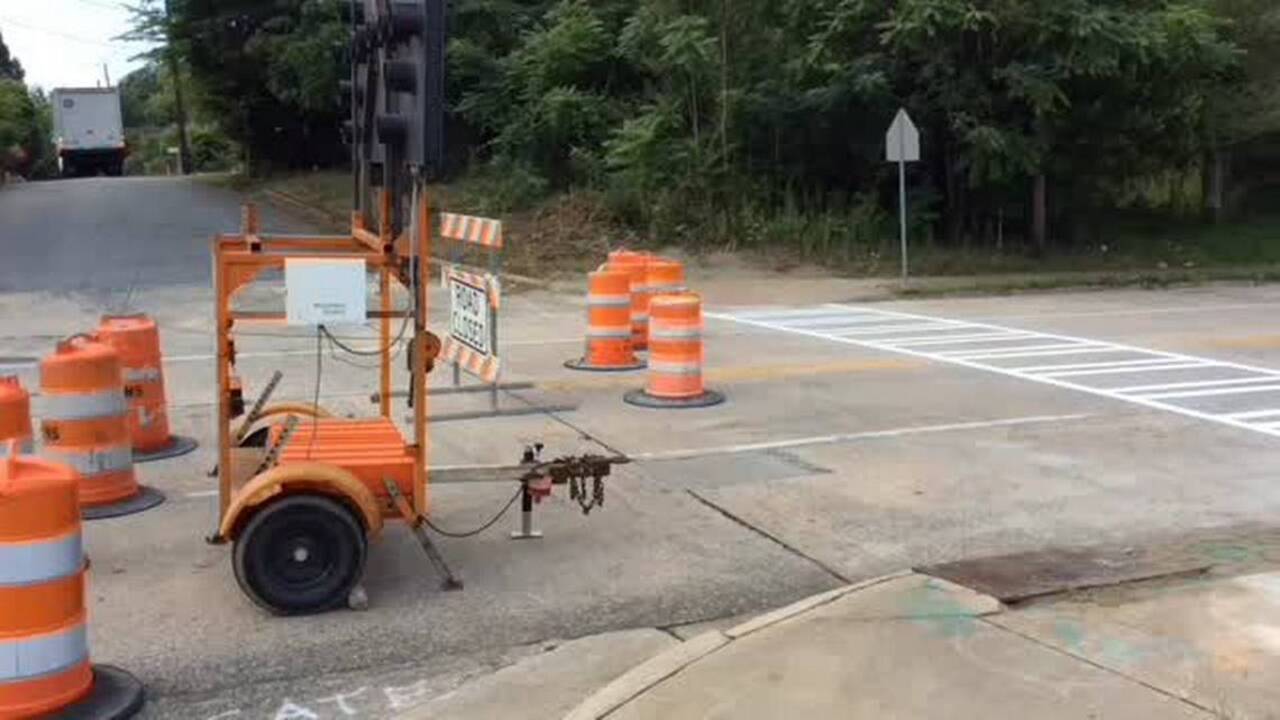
[[63, 43]]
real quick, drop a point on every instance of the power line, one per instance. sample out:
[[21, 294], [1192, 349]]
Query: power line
[[107, 5], [64, 35]]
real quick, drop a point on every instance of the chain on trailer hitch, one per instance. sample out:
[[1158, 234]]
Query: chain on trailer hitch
[[574, 471]]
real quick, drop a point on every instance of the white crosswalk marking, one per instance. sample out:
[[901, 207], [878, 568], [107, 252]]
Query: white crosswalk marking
[[1139, 389], [1166, 381]]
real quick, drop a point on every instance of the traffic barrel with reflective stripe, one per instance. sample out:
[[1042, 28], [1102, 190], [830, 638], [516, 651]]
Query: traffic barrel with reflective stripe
[[137, 340], [608, 346], [661, 276], [15, 415], [636, 265], [85, 425], [675, 355], [44, 648]]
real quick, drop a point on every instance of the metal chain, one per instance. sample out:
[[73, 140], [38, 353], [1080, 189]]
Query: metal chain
[[273, 453]]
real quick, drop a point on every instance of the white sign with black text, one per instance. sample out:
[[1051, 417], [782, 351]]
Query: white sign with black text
[[471, 313]]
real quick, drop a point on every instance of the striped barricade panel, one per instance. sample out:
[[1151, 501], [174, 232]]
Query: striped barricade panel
[[485, 367], [476, 230], [491, 284]]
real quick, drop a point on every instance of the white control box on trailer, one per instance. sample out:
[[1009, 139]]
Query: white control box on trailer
[[88, 131]]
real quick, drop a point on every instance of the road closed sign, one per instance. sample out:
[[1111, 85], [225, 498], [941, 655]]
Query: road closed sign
[[472, 309]]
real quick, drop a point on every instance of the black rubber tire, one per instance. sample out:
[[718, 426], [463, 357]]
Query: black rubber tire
[[300, 555], [257, 438]]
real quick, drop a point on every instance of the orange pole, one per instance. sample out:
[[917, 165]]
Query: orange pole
[[384, 290], [223, 379], [420, 438]]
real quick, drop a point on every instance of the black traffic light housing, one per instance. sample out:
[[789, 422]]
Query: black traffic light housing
[[397, 97]]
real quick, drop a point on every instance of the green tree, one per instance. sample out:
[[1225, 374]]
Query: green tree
[[10, 68], [17, 121], [266, 73]]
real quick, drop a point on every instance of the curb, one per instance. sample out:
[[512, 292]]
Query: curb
[[653, 671]]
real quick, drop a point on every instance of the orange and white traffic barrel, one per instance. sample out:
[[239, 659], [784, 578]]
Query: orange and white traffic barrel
[[85, 425], [44, 647], [675, 355], [661, 276], [636, 265], [15, 415], [137, 339], [608, 346]]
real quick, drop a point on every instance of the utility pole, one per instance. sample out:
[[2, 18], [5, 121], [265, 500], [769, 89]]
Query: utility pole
[[179, 106]]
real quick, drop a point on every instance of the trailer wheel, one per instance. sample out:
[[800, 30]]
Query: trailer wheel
[[299, 555]]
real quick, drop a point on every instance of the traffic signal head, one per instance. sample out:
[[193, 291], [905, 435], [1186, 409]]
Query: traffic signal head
[[398, 84]]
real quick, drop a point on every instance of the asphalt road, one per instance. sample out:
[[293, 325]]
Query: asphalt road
[[106, 234], [838, 456]]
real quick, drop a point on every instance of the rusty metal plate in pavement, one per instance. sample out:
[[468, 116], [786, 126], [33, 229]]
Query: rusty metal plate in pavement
[[1023, 576]]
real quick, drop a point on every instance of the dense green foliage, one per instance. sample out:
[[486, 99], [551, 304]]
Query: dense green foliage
[[10, 68], [26, 122], [754, 122]]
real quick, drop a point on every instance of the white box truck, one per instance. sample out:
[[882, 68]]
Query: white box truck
[[88, 131]]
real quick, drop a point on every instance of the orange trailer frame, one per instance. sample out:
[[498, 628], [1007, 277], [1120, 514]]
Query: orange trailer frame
[[340, 479], [245, 484]]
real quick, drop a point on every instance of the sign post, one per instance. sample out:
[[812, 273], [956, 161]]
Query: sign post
[[902, 145]]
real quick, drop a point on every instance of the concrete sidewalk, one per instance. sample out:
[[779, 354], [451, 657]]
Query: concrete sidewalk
[[910, 645], [914, 646]]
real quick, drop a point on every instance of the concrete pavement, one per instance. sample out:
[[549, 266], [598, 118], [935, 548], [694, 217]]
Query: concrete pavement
[[830, 463], [913, 646]]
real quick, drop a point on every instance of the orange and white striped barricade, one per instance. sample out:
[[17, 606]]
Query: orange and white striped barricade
[[473, 281], [675, 356], [636, 265], [15, 416], [85, 425], [44, 648], [137, 339], [608, 344]]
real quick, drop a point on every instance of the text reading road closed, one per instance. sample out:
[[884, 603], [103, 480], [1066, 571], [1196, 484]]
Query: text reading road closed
[[469, 316]]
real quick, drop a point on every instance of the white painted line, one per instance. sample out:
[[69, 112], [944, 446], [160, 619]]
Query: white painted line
[[1254, 414], [1066, 350], [836, 320], [203, 494], [1163, 367], [850, 437], [1213, 393], [980, 353], [958, 339], [1054, 369], [884, 329], [312, 351], [1191, 385], [814, 312], [1144, 311], [240, 355], [1133, 348], [1147, 402]]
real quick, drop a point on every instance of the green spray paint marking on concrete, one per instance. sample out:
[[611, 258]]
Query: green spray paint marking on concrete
[[931, 604]]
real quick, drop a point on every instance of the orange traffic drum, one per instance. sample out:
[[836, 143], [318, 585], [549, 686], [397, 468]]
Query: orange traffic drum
[[675, 355], [636, 265], [137, 339], [15, 416], [608, 346], [44, 647], [85, 425]]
